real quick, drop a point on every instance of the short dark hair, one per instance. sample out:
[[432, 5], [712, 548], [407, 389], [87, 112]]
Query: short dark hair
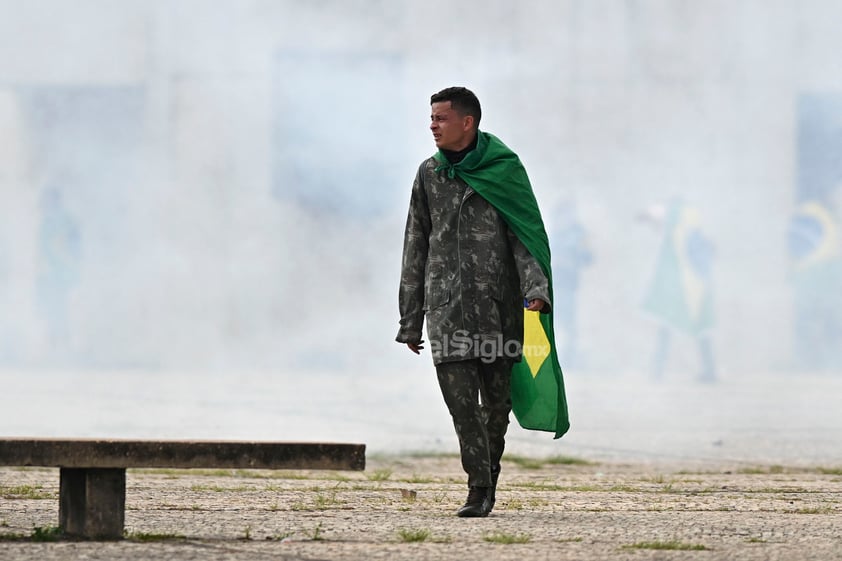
[[462, 100]]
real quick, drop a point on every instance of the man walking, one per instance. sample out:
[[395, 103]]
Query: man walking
[[466, 269]]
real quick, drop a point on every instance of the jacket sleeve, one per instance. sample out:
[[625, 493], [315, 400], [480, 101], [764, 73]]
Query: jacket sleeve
[[533, 282], [413, 263]]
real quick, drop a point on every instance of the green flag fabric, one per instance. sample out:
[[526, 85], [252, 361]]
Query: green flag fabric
[[497, 175], [681, 293]]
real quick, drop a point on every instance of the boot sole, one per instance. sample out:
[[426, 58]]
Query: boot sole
[[471, 514]]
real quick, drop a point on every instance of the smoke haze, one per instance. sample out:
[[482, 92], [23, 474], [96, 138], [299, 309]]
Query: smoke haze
[[203, 209]]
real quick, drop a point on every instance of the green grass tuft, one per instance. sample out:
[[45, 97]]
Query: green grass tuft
[[46, 534], [569, 461], [524, 461], [32, 492], [813, 510], [514, 504], [763, 470], [504, 538], [145, 537], [380, 475], [325, 502], [416, 478], [408, 536], [537, 486]]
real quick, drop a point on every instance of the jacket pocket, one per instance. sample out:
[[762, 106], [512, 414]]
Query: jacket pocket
[[486, 308], [436, 291], [436, 298]]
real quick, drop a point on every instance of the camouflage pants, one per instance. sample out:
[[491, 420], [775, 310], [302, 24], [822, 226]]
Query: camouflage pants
[[481, 427]]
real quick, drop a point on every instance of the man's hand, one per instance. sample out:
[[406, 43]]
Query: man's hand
[[536, 305], [416, 347]]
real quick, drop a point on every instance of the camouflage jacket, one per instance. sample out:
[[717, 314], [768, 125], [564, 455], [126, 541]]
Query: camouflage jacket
[[465, 272]]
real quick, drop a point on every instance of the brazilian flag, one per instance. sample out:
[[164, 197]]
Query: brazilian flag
[[497, 175], [681, 291], [813, 235]]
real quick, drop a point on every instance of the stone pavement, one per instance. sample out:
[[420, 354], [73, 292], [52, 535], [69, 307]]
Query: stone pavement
[[597, 511]]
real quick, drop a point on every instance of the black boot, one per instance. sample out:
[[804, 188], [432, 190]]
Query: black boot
[[477, 504]]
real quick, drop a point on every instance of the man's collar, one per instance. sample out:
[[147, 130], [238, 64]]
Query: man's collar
[[456, 156]]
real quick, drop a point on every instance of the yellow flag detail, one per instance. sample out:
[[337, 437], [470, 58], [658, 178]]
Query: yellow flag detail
[[536, 345]]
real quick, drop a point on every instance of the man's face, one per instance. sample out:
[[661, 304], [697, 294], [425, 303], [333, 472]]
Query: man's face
[[451, 131]]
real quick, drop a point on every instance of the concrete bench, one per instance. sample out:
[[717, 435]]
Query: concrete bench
[[92, 488]]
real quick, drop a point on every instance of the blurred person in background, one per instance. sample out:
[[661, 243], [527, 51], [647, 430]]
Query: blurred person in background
[[571, 254], [60, 246], [816, 272], [680, 294]]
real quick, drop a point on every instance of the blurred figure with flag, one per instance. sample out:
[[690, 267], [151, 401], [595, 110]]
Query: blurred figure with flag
[[680, 294], [816, 262], [60, 246]]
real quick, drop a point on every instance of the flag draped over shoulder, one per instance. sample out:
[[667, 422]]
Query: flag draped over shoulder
[[498, 176]]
